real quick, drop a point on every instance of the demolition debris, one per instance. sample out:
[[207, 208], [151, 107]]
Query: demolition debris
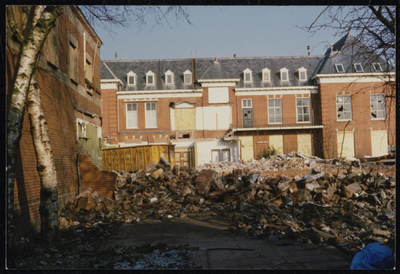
[[348, 206]]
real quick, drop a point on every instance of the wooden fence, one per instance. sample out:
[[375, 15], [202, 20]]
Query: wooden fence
[[136, 158]]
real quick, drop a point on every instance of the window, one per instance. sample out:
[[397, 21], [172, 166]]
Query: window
[[89, 68], [378, 109], [343, 108], [247, 103], [284, 74], [169, 78], [131, 78], [73, 58], [131, 115], [221, 155], [358, 67], [339, 67], [302, 74], [247, 75], [274, 111], [377, 66], [150, 78], [303, 110], [151, 115], [266, 74], [187, 77], [51, 46]]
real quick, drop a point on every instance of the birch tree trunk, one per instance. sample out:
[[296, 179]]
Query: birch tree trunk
[[40, 25], [45, 164]]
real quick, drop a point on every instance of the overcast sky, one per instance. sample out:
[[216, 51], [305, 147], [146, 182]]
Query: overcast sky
[[244, 31]]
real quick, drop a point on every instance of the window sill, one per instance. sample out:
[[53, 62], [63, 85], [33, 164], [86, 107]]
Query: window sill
[[275, 123], [308, 122], [151, 127], [344, 120], [132, 128], [381, 119]]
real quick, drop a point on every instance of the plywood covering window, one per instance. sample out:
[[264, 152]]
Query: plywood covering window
[[131, 115], [218, 95], [343, 108], [51, 47], [151, 115], [274, 111], [73, 59], [89, 68], [378, 108]]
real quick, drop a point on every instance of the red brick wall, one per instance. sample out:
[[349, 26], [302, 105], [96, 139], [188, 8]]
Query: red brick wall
[[361, 114], [58, 102], [101, 181], [109, 112]]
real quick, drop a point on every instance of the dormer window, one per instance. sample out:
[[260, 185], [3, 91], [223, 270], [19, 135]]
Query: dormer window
[[247, 75], [284, 74], [302, 74], [339, 67], [358, 67], [169, 77], [150, 78], [187, 77], [131, 78], [377, 66], [266, 75]]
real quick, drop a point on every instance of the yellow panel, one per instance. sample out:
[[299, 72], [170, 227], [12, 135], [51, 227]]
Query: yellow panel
[[276, 141], [379, 142], [185, 119], [304, 143], [348, 144], [246, 143]]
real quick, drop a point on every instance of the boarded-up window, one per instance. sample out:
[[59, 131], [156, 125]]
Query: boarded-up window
[[348, 144], [73, 59], [276, 141], [246, 144], [131, 115], [51, 47], [379, 142], [304, 143], [89, 68], [185, 119], [218, 95]]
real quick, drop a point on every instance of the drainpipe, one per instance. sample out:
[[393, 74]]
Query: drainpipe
[[78, 162]]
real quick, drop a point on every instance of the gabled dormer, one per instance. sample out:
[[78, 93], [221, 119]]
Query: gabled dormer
[[131, 79], [169, 78], [150, 78], [187, 77], [302, 72], [284, 74], [266, 75], [247, 76]]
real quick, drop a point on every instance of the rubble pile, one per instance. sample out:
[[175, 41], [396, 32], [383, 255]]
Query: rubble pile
[[348, 209]]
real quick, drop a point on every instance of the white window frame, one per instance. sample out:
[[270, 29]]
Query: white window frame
[[249, 73], [134, 116], [377, 64], [245, 103], [344, 111], [187, 73], [148, 113], [376, 110], [302, 113], [131, 74], [300, 71], [221, 155], [284, 71], [355, 67], [337, 66], [264, 72], [150, 74], [274, 114], [169, 74]]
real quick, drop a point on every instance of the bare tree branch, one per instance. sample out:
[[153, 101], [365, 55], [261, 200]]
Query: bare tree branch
[[13, 25]]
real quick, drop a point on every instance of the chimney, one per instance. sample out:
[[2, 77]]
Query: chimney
[[234, 55], [308, 49], [116, 55]]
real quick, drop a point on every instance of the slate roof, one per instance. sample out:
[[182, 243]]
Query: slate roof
[[348, 51], [207, 68]]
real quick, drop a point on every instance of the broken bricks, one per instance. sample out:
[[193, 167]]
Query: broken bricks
[[343, 205]]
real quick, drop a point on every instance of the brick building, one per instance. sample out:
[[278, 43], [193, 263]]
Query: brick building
[[69, 77], [232, 109]]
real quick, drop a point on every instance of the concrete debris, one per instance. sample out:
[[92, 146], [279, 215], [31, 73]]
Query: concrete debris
[[347, 203]]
